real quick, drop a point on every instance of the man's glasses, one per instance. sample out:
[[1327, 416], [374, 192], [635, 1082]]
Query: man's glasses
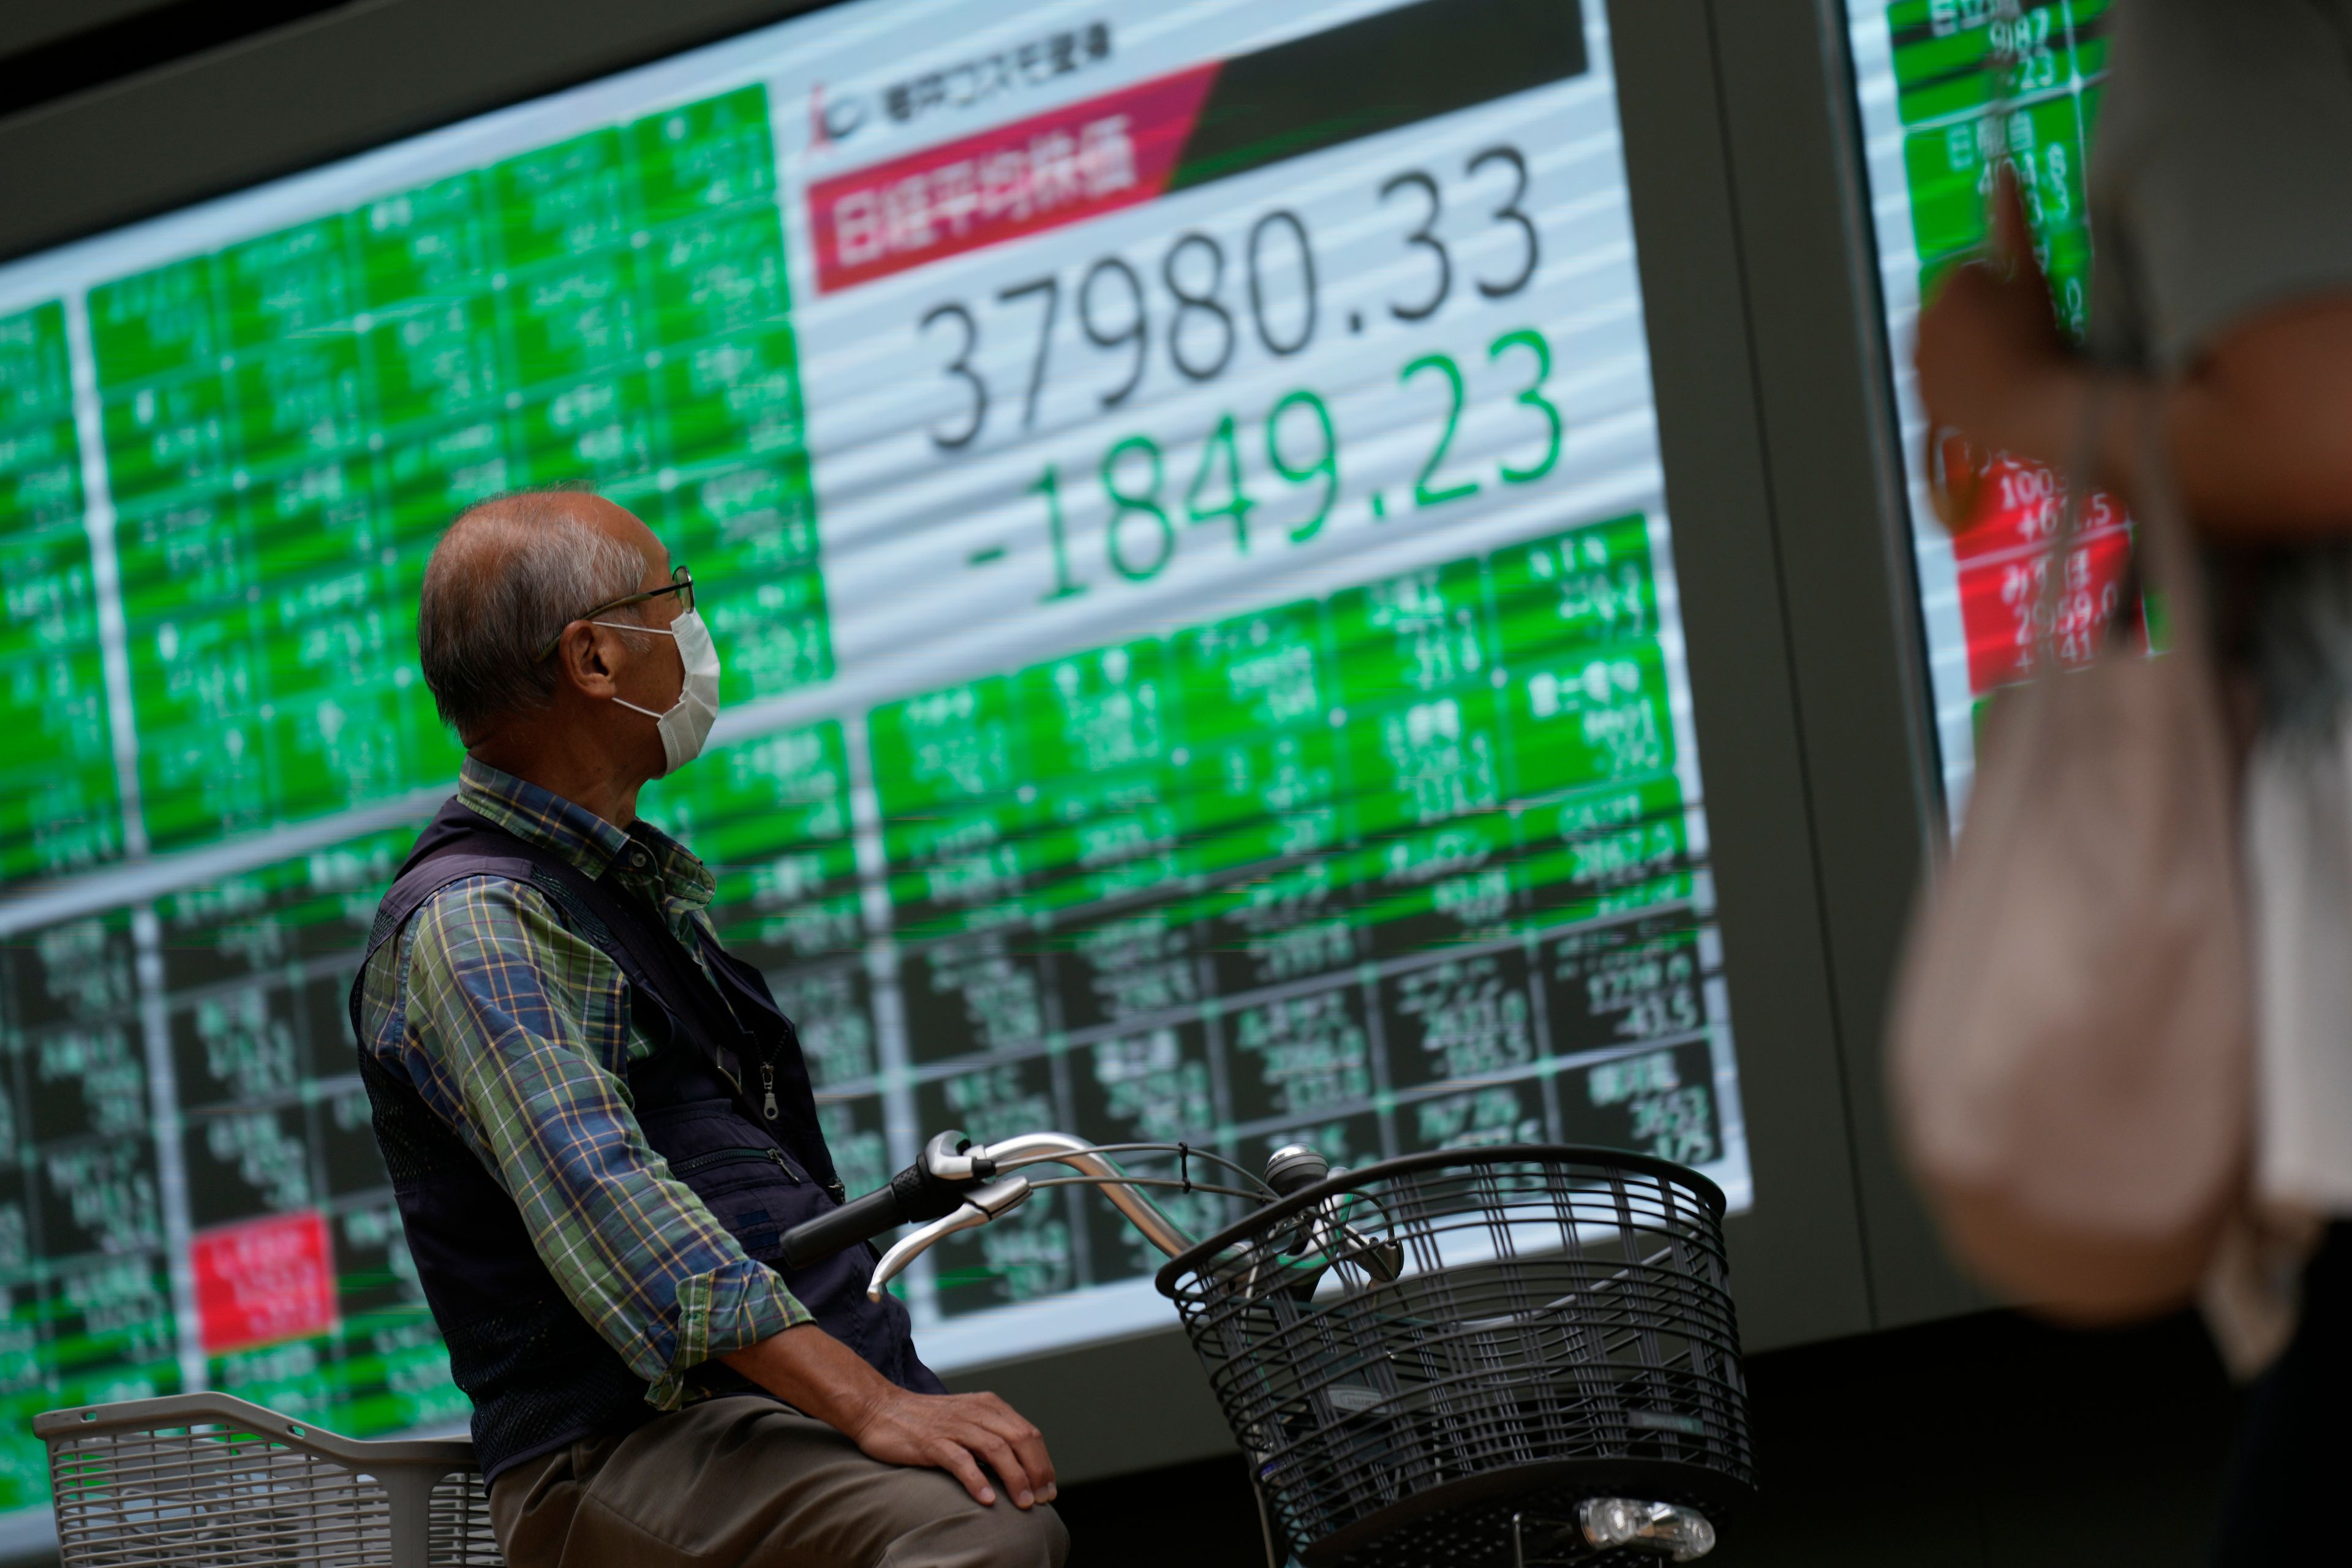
[[681, 583]]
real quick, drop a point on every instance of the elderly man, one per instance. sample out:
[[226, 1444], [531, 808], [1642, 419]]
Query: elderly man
[[598, 1124]]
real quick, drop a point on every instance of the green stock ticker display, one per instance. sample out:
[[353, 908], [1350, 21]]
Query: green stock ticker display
[[1203, 655]]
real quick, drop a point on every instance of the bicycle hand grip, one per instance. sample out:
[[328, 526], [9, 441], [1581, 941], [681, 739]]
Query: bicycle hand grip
[[914, 1194]]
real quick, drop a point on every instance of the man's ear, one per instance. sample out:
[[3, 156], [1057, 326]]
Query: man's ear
[[585, 660]]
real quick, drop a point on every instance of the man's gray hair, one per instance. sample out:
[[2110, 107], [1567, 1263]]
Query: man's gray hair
[[512, 572]]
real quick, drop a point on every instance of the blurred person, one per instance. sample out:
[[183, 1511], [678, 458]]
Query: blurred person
[[2221, 317], [553, 1041]]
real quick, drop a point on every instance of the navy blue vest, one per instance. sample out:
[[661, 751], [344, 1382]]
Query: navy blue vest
[[724, 1098]]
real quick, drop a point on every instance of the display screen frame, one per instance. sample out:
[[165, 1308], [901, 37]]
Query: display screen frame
[[1799, 1256]]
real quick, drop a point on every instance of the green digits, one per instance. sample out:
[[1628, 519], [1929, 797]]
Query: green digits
[[1421, 493], [1049, 485], [1532, 397], [1127, 505], [1327, 465], [1237, 504]]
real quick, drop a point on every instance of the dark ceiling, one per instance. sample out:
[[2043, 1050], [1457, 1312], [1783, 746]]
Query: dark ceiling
[[56, 49]]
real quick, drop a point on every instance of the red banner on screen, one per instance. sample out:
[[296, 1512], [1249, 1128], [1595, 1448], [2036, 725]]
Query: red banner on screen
[[264, 1280], [1060, 168], [2003, 560]]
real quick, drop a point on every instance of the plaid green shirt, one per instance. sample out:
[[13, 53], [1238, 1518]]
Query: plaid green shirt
[[517, 1032]]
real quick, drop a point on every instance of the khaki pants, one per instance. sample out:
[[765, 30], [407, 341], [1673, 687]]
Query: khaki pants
[[746, 1481]]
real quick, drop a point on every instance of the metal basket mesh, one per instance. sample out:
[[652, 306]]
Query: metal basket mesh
[[1558, 1327], [212, 1482]]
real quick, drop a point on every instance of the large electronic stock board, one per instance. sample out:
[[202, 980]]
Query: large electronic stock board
[[1177, 489], [1950, 91]]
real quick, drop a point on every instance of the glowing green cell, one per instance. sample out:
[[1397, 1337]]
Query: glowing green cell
[[157, 322], [169, 435], [284, 284], [567, 200], [700, 156], [35, 380], [1424, 631], [427, 245], [1587, 716], [573, 316], [722, 273], [435, 360], [1592, 585]]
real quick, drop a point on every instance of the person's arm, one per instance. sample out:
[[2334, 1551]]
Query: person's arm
[[2256, 428], [517, 1032], [517, 1035]]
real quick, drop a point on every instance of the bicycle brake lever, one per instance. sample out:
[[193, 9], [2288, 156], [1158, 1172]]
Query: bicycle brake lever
[[1383, 1260], [980, 1205], [1336, 1241]]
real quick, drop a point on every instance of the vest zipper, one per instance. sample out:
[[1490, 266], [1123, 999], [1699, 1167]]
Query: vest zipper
[[688, 1167], [768, 1089]]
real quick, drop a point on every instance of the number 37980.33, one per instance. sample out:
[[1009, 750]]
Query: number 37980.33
[[1268, 275]]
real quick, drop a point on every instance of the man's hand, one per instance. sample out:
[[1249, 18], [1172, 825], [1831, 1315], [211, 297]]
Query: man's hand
[[815, 1373], [952, 1432], [1992, 362]]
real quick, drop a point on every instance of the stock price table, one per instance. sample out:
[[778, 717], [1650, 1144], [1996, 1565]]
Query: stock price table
[[1178, 501], [1405, 867]]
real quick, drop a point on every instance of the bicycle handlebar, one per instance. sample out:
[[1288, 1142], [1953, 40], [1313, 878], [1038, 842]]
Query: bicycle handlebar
[[930, 1187], [860, 1219], [956, 1186]]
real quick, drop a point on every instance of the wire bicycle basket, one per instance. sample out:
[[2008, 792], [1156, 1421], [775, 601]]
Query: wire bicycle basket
[[1435, 1360], [206, 1480]]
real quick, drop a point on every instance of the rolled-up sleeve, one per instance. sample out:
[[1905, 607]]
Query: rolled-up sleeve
[[517, 1035]]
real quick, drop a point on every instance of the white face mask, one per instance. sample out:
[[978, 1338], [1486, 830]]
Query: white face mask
[[686, 723]]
